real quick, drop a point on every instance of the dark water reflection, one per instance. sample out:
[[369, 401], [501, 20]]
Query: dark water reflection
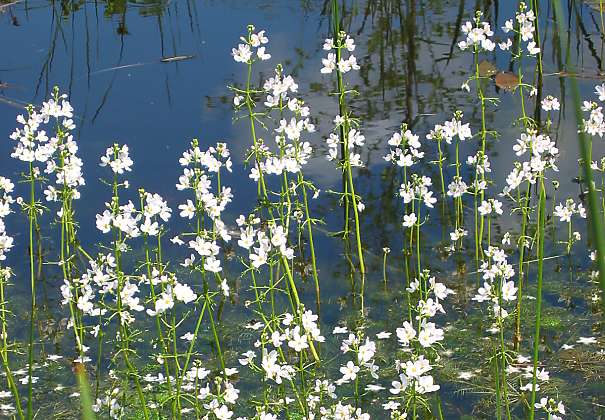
[[108, 56]]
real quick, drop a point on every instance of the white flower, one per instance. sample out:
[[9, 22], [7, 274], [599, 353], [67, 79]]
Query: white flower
[[149, 227], [509, 291], [340, 330], [118, 159], [349, 372], [366, 351], [485, 208], [409, 220], [329, 64], [262, 54], [187, 336], [242, 54], [187, 209], [550, 103], [212, 264], [505, 46], [587, 340], [328, 44], [429, 335], [406, 333], [398, 387], [259, 38], [600, 90], [532, 49], [298, 341], [223, 413], [416, 368], [184, 293], [426, 385]]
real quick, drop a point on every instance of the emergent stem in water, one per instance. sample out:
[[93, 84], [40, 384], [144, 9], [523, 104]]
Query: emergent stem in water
[[541, 222]]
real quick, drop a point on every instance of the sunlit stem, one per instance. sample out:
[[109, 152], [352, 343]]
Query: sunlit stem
[[497, 383], [32, 214], [4, 351], [384, 266], [441, 159], [502, 358], [342, 110], [479, 219], [297, 302], [309, 224], [541, 223], [524, 203]]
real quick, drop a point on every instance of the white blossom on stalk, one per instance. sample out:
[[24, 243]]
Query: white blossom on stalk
[[244, 52], [118, 159], [6, 199], [405, 148], [478, 35]]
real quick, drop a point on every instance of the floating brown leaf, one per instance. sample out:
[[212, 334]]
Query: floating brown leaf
[[487, 69], [507, 81]]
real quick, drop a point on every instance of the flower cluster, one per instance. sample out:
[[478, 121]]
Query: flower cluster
[[550, 103], [199, 171], [595, 124], [343, 411], [260, 243], [525, 29], [278, 338], [334, 59], [565, 211], [551, 407], [245, 53], [451, 129], [33, 142], [346, 134], [294, 152], [6, 199], [543, 153], [364, 352], [490, 206], [414, 380], [405, 148], [198, 168], [497, 288], [216, 396], [478, 35], [417, 188], [353, 138], [67, 166], [98, 281], [118, 159], [277, 88], [126, 218]]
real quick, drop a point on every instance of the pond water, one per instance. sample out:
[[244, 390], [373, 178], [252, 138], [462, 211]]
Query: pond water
[[155, 74]]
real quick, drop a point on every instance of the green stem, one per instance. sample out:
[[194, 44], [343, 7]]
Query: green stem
[[541, 222]]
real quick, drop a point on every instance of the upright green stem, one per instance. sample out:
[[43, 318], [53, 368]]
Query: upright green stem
[[4, 351], [541, 222], [342, 110], [525, 216], [30, 351]]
